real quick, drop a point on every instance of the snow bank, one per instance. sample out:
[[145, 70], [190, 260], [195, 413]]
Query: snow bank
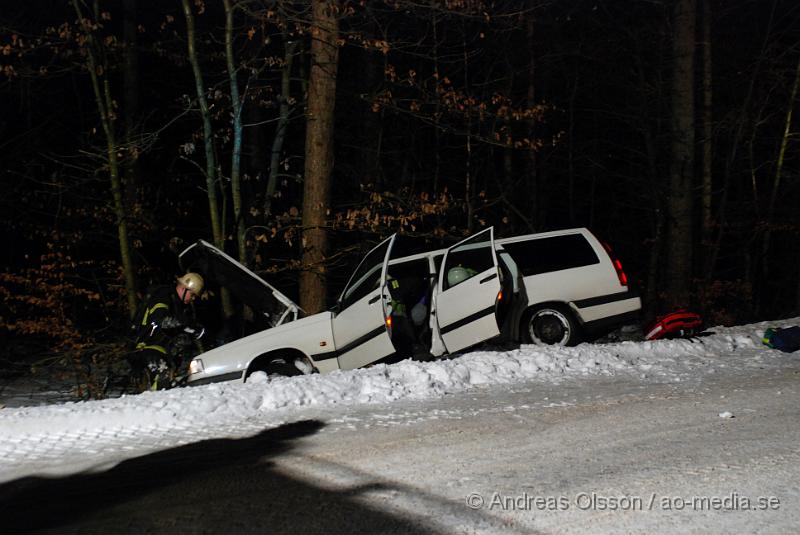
[[222, 404]]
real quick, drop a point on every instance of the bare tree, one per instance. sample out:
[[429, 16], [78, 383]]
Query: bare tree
[[776, 182], [679, 259], [706, 124], [236, 151], [131, 100], [105, 106], [208, 143], [283, 121], [208, 135]]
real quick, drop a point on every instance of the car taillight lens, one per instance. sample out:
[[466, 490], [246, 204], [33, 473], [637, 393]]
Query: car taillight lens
[[623, 278]]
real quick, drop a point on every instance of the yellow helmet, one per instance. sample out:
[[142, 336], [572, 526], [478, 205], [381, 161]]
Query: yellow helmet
[[193, 282]]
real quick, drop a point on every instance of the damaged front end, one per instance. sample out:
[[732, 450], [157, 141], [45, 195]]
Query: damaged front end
[[273, 307]]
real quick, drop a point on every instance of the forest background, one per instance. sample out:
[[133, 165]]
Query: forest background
[[296, 135]]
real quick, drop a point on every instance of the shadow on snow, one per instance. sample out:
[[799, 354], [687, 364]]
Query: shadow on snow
[[209, 486]]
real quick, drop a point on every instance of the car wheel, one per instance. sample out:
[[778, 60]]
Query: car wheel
[[551, 325], [275, 366]]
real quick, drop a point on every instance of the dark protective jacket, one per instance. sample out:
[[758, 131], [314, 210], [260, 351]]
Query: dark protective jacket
[[161, 321]]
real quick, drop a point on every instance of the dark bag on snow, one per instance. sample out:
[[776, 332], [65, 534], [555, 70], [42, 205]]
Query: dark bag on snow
[[787, 340]]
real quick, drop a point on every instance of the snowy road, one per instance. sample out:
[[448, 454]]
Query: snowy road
[[596, 457], [608, 438]]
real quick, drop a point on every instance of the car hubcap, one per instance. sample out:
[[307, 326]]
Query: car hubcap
[[549, 327]]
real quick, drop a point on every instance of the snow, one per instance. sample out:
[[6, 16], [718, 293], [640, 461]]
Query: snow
[[90, 437], [281, 399]]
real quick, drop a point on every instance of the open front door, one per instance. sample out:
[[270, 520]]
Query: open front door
[[360, 331], [468, 291]]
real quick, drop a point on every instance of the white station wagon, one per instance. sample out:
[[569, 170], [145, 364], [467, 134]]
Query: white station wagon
[[558, 287]]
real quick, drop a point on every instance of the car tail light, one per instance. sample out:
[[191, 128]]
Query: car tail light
[[499, 296], [389, 323], [623, 278]]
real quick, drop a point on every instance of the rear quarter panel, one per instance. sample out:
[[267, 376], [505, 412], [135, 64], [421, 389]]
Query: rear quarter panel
[[576, 284]]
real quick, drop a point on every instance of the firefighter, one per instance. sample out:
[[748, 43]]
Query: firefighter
[[163, 330]]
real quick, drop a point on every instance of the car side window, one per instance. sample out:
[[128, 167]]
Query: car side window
[[366, 284], [470, 258], [366, 278], [545, 255]]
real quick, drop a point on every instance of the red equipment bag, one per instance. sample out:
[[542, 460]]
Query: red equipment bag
[[678, 324]]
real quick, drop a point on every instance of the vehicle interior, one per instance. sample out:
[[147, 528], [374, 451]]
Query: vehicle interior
[[411, 286]]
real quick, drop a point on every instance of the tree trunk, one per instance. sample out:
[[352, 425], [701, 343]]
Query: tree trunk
[[437, 113], [283, 123], [730, 163], [706, 126], [679, 218], [131, 101], [658, 219], [797, 295], [104, 104], [208, 143], [531, 179], [318, 153], [773, 198], [468, 179], [236, 152], [371, 121], [208, 136], [571, 151]]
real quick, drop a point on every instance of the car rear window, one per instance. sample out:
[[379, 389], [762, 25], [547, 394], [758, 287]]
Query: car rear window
[[545, 255]]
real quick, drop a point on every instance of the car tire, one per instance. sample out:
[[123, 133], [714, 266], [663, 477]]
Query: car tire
[[275, 366], [550, 325]]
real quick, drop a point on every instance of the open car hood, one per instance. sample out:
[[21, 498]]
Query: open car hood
[[220, 268]]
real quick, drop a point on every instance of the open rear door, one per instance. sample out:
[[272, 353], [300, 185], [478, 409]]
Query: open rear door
[[468, 290], [360, 327]]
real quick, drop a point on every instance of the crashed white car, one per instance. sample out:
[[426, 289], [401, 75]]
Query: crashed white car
[[551, 288]]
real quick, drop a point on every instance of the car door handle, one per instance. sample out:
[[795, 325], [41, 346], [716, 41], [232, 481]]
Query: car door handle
[[374, 299], [487, 279]]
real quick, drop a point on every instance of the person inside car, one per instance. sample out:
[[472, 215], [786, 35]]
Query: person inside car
[[409, 312]]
